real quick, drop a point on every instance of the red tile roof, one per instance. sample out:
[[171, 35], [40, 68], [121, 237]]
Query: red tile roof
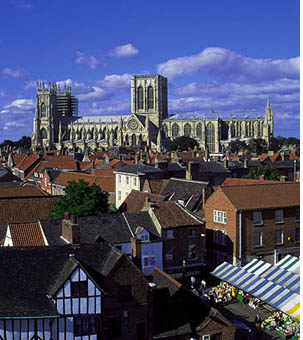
[[27, 235], [172, 215], [244, 181], [135, 201], [24, 191], [26, 162], [21, 210], [106, 183], [263, 196]]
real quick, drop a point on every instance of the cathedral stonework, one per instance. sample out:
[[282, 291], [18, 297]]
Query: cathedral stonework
[[58, 126]]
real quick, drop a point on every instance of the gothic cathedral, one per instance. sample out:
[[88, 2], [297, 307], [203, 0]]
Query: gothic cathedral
[[58, 126]]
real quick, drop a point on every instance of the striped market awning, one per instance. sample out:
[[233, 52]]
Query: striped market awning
[[291, 263], [279, 275], [268, 291]]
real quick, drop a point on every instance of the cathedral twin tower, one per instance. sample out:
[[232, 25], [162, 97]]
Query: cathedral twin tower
[[58, 126]]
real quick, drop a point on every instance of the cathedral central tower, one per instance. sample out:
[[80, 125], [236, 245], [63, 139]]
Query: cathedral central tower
[[149, 97]]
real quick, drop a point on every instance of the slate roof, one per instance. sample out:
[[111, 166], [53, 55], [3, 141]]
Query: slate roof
[[172, 215], [21, 191], [53, 174], [142, 219], [111, 228], [21, 210], [181, 189], [26, 235], [29, 274], [285, 164], [139, 168], [263, 196], [212, 167]]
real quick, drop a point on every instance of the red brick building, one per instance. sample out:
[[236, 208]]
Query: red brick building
[[253, 221]]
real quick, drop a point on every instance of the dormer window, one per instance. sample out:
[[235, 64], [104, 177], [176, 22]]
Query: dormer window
[[79, 289]]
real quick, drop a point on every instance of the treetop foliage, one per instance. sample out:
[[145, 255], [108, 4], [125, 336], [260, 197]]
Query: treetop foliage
[[268, 171], [182, 143], [81, 199], [24, 141]]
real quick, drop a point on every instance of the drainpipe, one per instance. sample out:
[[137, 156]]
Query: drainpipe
[[240, 236], [295, 170]]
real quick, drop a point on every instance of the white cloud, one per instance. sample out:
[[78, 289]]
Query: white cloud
[[116, 107], [19, 106], [225, 63], [10, 73], [124, 51], [91, 61], [12, 125]]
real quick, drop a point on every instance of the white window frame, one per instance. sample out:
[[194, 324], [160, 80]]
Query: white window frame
[[259, 245], [257, 221], [279, 216], [219, 216], [281, 230], [144, 238], [119, 195], [135, 181], [127, 180], [119, 179]]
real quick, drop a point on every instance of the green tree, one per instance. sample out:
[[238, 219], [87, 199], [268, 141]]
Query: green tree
[[268, 171], [257, 146], [182, 143], [81, 199], [276, 143], [25, 142], [236, 145]]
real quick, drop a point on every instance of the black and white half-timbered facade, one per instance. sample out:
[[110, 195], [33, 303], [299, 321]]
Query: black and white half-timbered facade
[[71, 292]]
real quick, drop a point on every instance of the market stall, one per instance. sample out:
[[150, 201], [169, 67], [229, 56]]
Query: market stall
[[291, 263], [279, 275], [285, 326], [279, 297]]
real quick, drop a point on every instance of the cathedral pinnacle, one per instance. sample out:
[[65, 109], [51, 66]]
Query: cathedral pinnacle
[[268, 103]]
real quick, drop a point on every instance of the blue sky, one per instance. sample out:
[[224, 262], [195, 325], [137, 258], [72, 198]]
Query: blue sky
[[225, 56]]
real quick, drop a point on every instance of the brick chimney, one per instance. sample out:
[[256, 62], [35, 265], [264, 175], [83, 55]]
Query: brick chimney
[[192, 170], [70, 229], [136, 249]]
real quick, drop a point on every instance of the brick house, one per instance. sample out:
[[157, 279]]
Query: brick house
[[183, 237], [253, 221]]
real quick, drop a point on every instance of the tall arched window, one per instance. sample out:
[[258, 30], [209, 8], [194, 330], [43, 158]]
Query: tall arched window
[[210, 137], [175, 130], [134, 139], [140, 98], [187, 130], [165, 129], [150, 98], [199, 130], [43, 133], [43, 110]]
